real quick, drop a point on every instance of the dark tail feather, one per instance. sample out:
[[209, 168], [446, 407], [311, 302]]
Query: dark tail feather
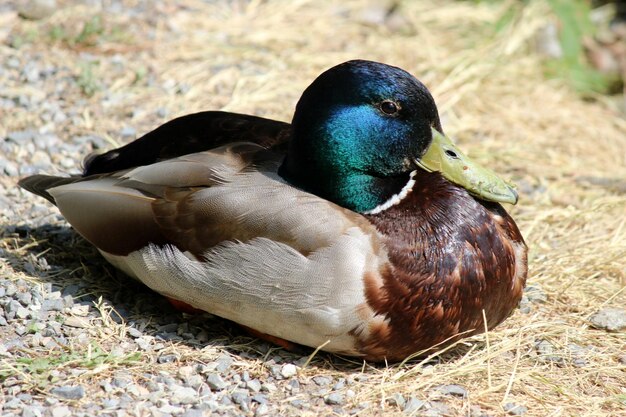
[[40, 184]]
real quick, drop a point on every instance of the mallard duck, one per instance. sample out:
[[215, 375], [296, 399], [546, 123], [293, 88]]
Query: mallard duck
[[360, 228]]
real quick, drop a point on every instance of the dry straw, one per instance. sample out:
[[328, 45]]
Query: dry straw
[[567, 155]]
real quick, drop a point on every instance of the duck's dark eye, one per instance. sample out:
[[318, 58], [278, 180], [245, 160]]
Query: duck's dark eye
[[389, 107], [451, 154]]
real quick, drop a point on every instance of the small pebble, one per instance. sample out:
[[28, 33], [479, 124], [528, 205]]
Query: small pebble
[[194, 381], [22, 312], [192, 412], [110, 403], [288, 370], [396, 399], [340, 384], [476, 411], [535, 294], [261, 410], [32, 411], [68, 301], [21, 137], [334, 399], [49, 401], [452, 389], [412, 405], [240, 397], [170, 409], [61, 411], [216, 382], [515, 409], [167, 358], [294, 385], [9, 168], [76, 322], [37, 9], [52, 305], [259, 398], [162, 112], [69, 392], [611, 319], [297, 403], [13, 403], [223, 363], [183, 395], [119, 382], [25, 298], [438, 409], [168, 328], [322, 381], [134, 332], [547, 352], [12, 307], [254, 385], [268, 387], [128, 133]]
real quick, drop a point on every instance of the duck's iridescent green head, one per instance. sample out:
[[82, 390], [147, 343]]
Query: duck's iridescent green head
[[359, 130]]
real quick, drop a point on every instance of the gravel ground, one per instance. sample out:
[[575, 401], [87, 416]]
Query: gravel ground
[[79, 338]]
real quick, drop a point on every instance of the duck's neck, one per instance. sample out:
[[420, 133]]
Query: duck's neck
[[358, 192]]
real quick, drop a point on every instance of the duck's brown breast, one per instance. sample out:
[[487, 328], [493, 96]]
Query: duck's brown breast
[[450, 258]]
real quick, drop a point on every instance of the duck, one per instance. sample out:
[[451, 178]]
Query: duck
[[359, 228]]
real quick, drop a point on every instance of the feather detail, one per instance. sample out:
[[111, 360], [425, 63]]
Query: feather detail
[[257, 221]]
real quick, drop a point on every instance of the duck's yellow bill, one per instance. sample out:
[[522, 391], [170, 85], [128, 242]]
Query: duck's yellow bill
[[443, 156]]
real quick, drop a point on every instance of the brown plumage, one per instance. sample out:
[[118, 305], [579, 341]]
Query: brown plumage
[[450, 258]]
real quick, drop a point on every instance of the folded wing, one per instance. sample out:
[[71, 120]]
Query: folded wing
[[223, 232]]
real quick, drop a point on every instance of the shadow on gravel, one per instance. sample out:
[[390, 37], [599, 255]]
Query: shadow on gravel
[[55, 255]]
